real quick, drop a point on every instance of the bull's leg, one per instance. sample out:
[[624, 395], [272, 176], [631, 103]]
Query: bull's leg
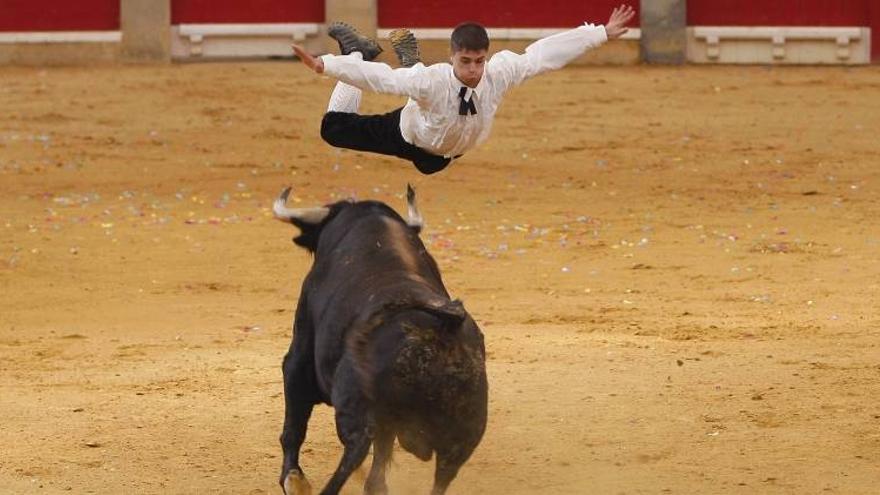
[[352, 425], [448, 464], [357, 446], [383, 443], [298, 404]]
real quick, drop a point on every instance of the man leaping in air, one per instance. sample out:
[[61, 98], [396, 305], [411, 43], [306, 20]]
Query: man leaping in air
[[451, 106]]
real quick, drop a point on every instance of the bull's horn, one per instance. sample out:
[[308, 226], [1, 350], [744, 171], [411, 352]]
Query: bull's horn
[[414, 216], [306, 215]]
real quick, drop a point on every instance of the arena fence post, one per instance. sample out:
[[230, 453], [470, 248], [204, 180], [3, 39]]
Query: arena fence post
[[664, 31], [146, 30]]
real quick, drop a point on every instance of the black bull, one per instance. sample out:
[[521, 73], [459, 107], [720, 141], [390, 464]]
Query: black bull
[[377, 336]]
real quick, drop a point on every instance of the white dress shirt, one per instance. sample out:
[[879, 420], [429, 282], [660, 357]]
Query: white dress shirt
[[430, 118]]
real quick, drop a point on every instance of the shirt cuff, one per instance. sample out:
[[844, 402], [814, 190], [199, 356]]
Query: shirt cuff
[[330, 64], [599, 31]]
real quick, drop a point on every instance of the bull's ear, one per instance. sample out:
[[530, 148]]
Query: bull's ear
[[308, 239], [413, 215]]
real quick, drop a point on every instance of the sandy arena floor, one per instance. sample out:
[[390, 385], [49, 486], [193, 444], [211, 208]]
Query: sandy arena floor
[[677, 271]]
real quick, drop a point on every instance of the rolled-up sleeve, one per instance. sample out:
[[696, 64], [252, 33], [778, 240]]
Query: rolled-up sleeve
[[378, 77], [546, 54]]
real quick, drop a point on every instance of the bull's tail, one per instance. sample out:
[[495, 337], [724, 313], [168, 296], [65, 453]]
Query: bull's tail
[[452, 312]]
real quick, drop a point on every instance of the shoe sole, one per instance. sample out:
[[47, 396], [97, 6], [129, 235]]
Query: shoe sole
[[350, 40], [405, 46]]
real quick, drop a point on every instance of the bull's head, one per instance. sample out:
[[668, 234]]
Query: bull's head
[[311, 220], [308, 220]]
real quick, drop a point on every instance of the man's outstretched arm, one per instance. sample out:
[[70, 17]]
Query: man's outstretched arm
[[556, 51], [315, 64], [372, 76], [620, 17]]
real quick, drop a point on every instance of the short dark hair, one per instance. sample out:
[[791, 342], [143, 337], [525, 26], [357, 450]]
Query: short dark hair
[[469, 36]]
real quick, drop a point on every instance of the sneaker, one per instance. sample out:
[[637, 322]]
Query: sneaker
[[406, 46], [352, 41]]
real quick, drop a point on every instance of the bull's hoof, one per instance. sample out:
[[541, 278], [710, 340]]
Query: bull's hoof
[[295, 483]]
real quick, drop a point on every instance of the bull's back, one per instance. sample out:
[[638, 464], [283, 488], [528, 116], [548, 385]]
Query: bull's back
[[364, 259], [361, 264]]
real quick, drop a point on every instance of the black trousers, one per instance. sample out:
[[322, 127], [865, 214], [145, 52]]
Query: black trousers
[[377, 134]]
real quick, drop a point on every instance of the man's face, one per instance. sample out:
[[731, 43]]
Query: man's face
[[468, 65]]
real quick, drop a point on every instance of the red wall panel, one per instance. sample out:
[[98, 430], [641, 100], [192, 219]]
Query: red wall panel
[[827, 13], [253, 11], [496, 13], [778, 12], [874, 22], [59, 15]]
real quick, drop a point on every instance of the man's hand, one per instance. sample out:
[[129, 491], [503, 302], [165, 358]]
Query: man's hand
[[620, 17], [316, 64]]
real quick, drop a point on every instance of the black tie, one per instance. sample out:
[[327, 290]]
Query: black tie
[[466, 106]]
